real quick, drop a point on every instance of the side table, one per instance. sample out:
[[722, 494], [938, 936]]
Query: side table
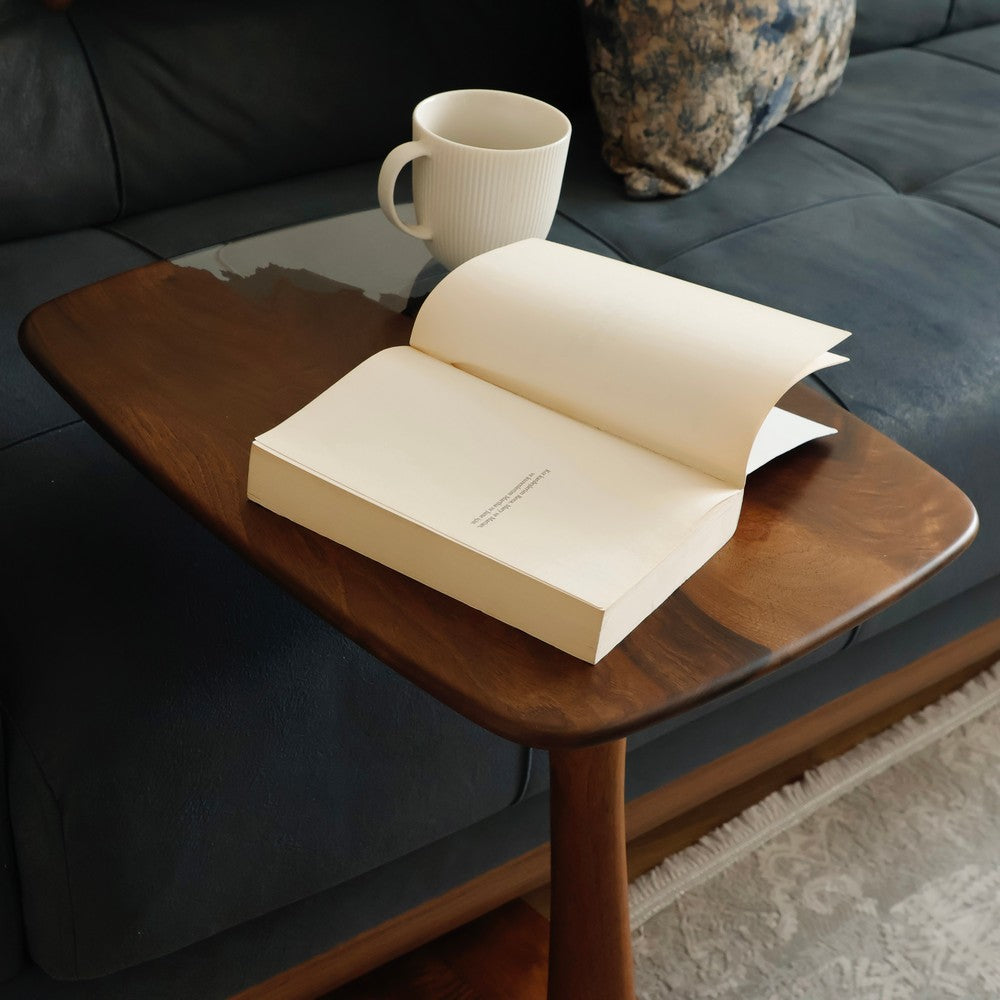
[[180, 368]]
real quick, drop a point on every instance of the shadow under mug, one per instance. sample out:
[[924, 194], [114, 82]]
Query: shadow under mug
[[487, 170]]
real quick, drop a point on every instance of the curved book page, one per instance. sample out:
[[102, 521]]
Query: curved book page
[[544, 522], [683, 370]]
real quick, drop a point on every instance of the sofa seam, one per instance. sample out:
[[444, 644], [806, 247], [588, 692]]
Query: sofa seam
[[562, 212], [774, 218], [102, 104], [522, 792], [922, 47], [992, 223], [851, 637], [967, 166], [12, 722], [847, 156], [38, 434], [109, 228], [952, 173], [952, 4]]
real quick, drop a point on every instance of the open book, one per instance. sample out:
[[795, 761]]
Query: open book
[[563, 443]]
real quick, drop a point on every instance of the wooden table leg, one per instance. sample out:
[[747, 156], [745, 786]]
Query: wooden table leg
[[590, 948]]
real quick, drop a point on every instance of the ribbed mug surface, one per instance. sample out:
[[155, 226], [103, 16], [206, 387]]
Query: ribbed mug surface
[[487, 170], [475, 200]]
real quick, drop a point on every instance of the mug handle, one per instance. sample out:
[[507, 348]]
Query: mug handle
[[395, 162]]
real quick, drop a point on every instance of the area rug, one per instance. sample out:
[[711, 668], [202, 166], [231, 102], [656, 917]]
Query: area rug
[[875, 877]]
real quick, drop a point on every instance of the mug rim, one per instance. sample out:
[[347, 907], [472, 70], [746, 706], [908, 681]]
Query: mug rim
[[538, 102]]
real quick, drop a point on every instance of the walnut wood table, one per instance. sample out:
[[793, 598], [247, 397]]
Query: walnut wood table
[[180, 370]]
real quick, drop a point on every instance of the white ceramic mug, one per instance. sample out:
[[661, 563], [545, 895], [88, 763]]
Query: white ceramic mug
[[487, 169]]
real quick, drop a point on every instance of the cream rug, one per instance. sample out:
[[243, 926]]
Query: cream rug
[[876, 877]]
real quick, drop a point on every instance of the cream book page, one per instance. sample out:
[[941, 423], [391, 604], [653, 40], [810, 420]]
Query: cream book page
[[685, 371], [782, 431], [578, 509]]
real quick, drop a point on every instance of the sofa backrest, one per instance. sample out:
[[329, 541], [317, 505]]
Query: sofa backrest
[[968, 14], [207, 97], [117, 107], [56, 162], [885, 24]]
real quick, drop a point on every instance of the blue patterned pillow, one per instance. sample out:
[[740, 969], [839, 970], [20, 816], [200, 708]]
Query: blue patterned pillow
[[682, 87]]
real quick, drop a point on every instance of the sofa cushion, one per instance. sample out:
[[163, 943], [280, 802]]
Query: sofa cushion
[[56, 166], [247, 91], [910, 115], [681, 91], [190, 747]]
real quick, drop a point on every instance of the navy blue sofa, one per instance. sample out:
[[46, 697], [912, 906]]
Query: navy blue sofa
[[204, 784]]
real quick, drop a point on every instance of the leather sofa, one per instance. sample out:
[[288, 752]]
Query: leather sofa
[[204, 784]]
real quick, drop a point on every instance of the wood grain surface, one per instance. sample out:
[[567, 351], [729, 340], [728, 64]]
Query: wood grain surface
[[590, 950], [180, 370]]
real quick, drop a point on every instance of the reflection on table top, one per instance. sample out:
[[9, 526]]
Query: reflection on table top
[[361, 250]]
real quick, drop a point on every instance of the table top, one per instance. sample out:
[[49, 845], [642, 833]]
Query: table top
[[180, 367]]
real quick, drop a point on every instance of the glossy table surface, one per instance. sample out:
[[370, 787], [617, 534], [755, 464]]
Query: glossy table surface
[[180, 365]]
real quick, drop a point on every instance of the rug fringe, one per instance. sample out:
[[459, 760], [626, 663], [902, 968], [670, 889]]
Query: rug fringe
[[783, 809]]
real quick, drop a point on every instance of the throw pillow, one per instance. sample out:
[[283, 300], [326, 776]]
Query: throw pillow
[[682, 87]]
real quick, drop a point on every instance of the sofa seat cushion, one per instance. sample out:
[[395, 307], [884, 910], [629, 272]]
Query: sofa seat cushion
[[187, 746]]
